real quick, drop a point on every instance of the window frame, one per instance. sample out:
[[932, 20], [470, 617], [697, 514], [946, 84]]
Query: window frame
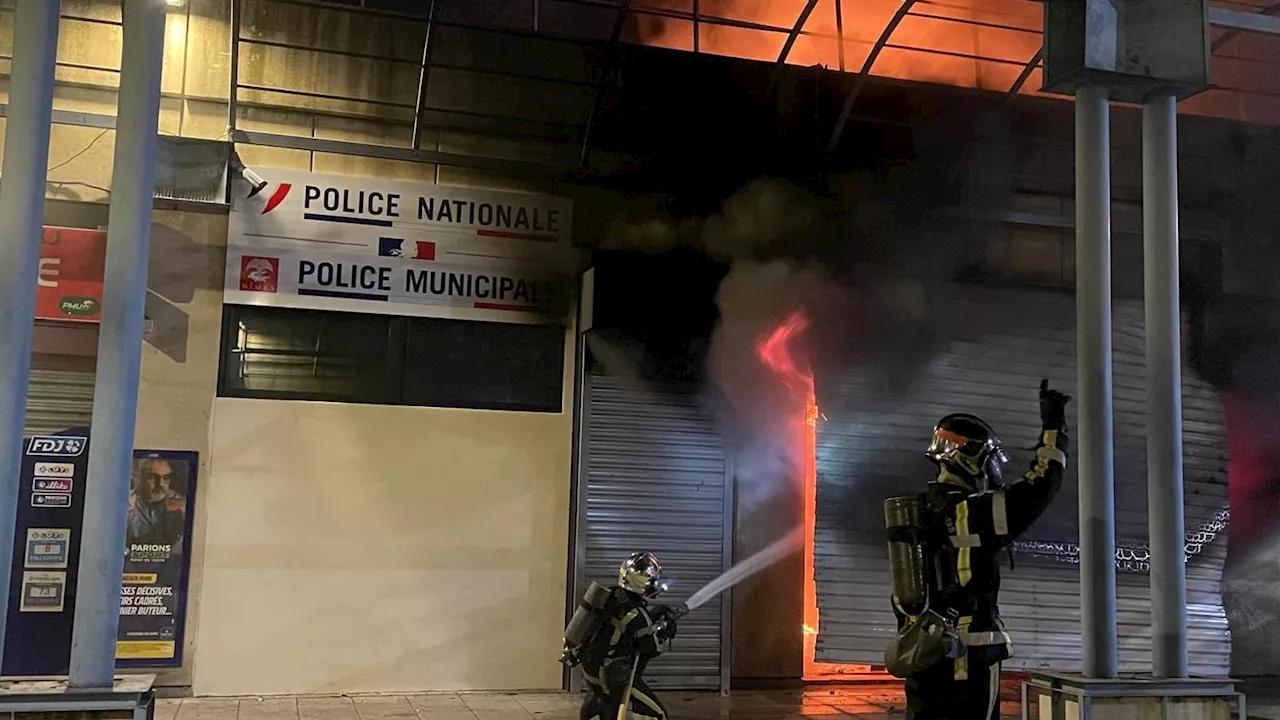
[[396, 364]]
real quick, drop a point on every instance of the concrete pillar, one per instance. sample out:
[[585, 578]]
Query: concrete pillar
[[1164, 388], [26, 157], [115, 401], [1093, 382]]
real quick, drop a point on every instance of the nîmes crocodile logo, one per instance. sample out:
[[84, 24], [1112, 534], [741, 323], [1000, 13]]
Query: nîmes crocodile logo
[[78, 306]]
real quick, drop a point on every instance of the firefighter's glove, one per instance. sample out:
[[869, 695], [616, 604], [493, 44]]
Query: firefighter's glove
[[1053, 407], [665, 628]]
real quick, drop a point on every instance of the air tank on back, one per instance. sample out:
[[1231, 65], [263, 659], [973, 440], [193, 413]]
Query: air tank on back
[[906, 553], [586, 618]]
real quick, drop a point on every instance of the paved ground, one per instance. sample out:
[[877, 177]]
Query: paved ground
[[869, 703], [772, 705], [866, 702]]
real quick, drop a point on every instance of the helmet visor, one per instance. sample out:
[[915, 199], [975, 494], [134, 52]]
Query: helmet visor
[[944, 444], [981, 457], [641, 574]]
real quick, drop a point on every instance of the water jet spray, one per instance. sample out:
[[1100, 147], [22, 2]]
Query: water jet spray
[[776, 551]]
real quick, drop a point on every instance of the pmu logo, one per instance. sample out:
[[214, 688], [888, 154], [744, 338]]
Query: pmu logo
[[277, 197], [259, 274], [56, 445]]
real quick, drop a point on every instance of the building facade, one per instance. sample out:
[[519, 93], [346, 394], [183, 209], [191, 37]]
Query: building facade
[[411, 457]]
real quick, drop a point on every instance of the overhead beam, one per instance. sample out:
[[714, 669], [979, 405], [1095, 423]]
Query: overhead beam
[[342, 147], [67, 117], [1267, 21], [795, 32], [1027, 69], [861, 80], [606, 77], [792, 36], [424, 74], [840, 33], [1239, 20], [696, 29], [1231, 33]]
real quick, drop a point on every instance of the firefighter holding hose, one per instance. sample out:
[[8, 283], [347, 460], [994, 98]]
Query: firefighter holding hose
[[614, 634], [944, 550]]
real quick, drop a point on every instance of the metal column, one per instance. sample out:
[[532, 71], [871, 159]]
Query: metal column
[[1164, 388], [1093, 382], [115, 401], [233, 96], [26, 157]]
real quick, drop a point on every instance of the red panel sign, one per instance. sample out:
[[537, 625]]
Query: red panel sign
[[69, 286]]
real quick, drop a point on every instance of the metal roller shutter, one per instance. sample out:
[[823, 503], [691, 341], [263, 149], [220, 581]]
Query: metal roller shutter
[[997, 345], [58, 400], [656, 481]]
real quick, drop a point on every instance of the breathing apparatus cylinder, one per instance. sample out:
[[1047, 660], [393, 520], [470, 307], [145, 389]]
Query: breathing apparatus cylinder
[[587, 618], [907, 562]]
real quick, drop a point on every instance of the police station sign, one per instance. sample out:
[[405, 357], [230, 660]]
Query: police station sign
[[397, 248]]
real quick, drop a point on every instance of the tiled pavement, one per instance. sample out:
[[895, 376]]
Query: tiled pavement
[[867, 703]]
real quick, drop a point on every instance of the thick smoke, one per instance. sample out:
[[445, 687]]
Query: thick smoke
[[755, 220], [621, 357], [860, 255], [867, 256], [1235, 344], [762, 410]]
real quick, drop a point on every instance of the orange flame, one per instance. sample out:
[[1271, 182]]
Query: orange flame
[[775, 352], [981, 45]]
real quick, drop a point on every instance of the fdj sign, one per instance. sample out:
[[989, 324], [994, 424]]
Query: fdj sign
[[56, 445]]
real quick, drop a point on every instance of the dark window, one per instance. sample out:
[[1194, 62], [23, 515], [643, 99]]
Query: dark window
[[308, 355], [455, 363], [287, 354]]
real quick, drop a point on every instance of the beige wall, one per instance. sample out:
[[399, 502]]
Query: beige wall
[[358, 548], [529, 460], [178, 379], [473, 509]]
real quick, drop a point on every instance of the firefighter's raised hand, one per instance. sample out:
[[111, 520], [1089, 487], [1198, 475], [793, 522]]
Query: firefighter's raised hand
[[1053, 407]]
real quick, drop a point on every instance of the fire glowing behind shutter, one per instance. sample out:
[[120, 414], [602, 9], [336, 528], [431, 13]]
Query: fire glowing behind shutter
[[776, 352]]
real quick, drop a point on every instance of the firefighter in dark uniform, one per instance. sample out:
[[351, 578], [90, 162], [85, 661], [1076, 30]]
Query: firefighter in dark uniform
[[972, 517], [633, 632]]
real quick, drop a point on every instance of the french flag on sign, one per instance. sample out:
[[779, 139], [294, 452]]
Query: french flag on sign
[[416, 250]]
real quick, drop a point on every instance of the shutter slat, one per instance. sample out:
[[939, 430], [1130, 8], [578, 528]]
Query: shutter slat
[[656, 482], [58, 400]]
